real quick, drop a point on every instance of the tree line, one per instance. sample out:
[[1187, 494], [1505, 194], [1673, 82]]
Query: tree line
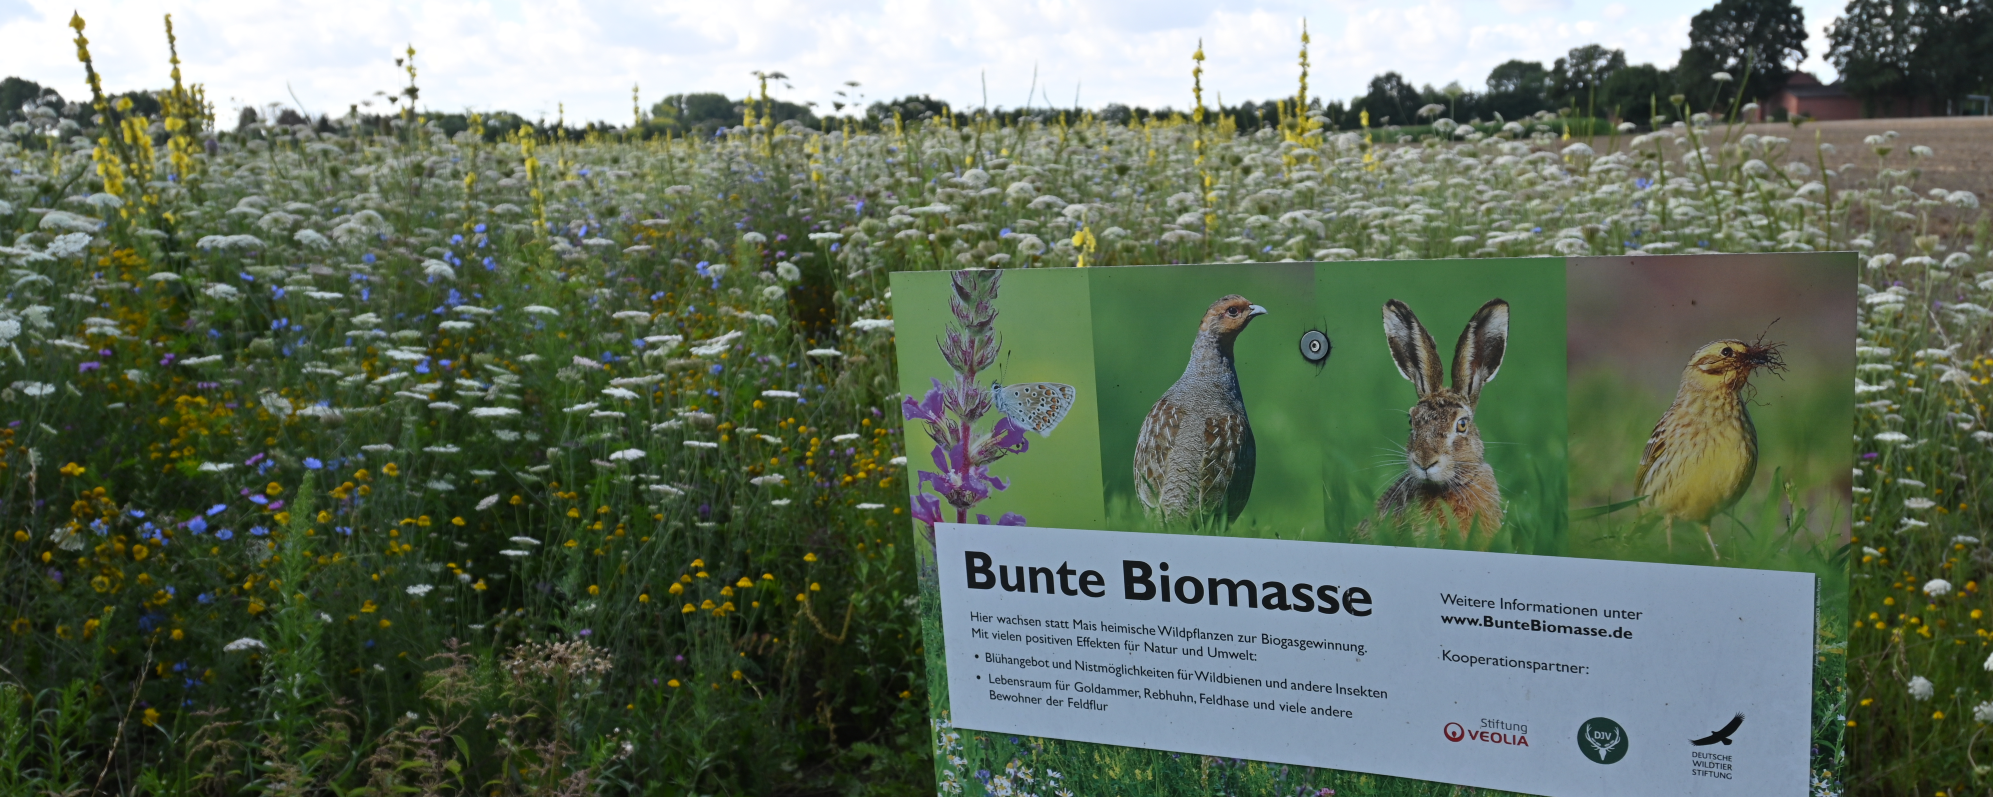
[[1940, 52]]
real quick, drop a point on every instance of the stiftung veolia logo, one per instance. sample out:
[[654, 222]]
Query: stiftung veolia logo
[[1602, 740], [1454, 732]]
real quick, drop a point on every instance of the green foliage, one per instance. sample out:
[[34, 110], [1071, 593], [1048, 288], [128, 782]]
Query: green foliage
[[1891, 49], [1764, 38]]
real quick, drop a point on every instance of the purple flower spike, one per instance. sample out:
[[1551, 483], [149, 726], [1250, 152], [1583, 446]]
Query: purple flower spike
[[927, 509], [928, 408]]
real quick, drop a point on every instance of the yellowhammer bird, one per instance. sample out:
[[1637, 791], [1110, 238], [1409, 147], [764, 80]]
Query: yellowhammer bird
[[1703, 453]]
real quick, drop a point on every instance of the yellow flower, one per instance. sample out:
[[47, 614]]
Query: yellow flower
[[456, 521], [738, 675], [689, 608], [673, 683], [274, 489], [573, 512], [643, 598], [368, 607], [809, 557], [744, 583], [767, 576], [815, 587], [391, 469], [707, 604], [904, 694], [676, 589], [422, 521], [21, 626], [179, 635], [385, 623], [696, 563], [1937, 715], [151, 717], [20, 536], [516, 500], [324, 516], [594, 590], [480, 585], [282, 518], [72, 469]]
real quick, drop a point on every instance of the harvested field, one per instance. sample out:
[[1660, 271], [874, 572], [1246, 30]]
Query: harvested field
[[1963, 145]]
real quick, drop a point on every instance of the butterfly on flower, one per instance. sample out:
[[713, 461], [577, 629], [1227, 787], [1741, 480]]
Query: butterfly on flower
[[1038, 406]]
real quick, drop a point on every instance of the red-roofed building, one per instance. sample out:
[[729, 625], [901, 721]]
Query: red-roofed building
[[1803, 95]]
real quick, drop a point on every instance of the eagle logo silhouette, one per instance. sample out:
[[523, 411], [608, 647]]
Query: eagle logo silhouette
[[1722, 734]]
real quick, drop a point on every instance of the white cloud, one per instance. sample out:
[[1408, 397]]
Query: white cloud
[[536, 57]]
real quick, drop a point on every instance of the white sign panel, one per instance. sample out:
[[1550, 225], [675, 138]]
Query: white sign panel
[[1538, 674]]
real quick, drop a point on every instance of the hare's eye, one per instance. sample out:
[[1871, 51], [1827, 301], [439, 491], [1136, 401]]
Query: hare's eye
[[1727, 351], [1460, 426]]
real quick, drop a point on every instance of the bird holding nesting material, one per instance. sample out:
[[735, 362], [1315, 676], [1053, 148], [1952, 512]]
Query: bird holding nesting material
[[1703, 453]]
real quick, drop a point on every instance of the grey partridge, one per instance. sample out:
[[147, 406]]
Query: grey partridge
[[1195, 452]]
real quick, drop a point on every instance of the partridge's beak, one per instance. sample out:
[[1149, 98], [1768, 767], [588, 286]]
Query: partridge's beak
[[1257, 310]]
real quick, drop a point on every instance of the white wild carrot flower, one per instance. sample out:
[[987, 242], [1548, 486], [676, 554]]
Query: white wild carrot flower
[[1921, 687]]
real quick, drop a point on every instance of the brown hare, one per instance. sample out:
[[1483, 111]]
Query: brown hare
[[1446, 483]]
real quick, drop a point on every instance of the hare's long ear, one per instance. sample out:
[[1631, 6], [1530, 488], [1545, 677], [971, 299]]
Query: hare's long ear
[[1412, 349], [1482, 345]]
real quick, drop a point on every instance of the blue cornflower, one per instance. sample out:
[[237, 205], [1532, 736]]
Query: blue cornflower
[[217, 509], [259, 531], [312, 463], [197, 525], [224, 535]]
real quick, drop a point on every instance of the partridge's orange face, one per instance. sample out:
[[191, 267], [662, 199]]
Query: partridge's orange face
[[1229, 315], [1732, 361]]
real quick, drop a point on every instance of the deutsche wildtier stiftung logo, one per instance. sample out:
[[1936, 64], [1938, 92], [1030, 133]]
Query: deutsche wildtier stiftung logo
[[1602, 740]]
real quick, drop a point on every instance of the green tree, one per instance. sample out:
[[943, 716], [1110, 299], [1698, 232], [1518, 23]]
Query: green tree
[[1631, 93], [1391, 100], [16, 92], [1516, 89], [1887, 49], [1575, 79], [1767, 36]]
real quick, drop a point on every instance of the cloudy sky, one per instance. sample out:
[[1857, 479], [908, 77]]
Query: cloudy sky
[[532, 57]]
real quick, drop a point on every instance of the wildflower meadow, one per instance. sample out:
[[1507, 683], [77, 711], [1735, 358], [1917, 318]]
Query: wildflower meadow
[[355, 456]]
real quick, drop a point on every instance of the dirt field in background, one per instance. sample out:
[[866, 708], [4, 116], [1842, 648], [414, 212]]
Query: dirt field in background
[[1963, 147]]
